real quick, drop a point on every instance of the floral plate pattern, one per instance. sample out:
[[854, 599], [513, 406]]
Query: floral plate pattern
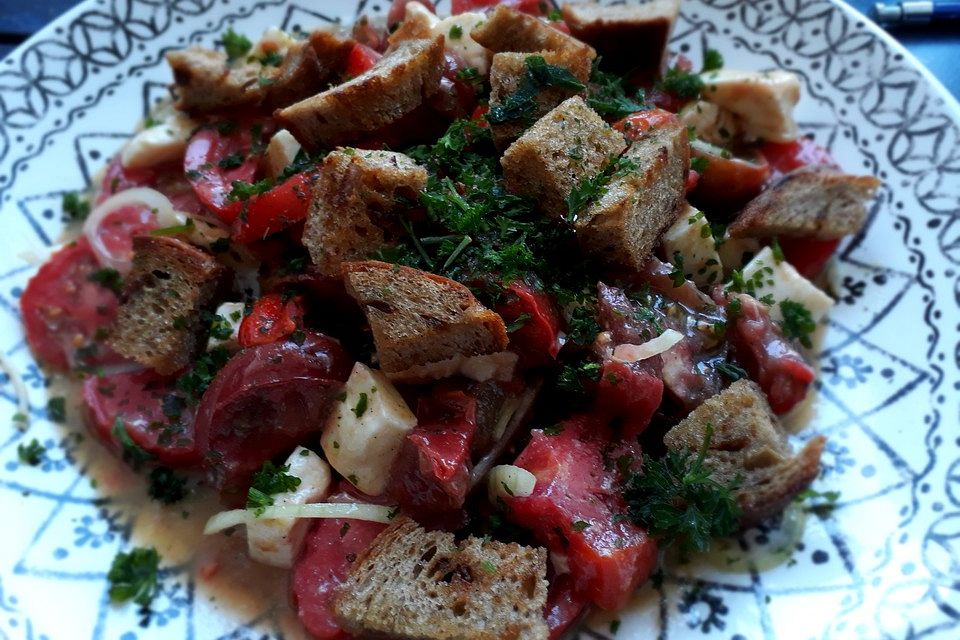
[[883, 563]]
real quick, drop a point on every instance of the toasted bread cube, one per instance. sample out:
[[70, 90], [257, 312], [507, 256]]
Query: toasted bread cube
[[560, 150], [507, 29], [506, 73], [395, 86], [750, 444], [631, 38], [353, 202], [623, 226], [418, 318], [332, 52], [159, 321], [411, 583], [810, 202]]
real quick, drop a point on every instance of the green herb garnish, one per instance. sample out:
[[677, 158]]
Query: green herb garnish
[[236, 45], [165, 486], [797, 322], [134, 576]]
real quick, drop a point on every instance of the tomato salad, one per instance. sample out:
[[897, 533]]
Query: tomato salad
[[284, 411]]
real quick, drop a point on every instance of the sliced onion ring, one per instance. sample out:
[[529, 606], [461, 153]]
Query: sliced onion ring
[[150, 198], [349, 510], [634, 352]]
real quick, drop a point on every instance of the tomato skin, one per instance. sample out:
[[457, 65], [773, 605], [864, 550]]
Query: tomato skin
[[564, 605], [361, 59], [537, 340], [212, 183], [531, 7], [398, 10], [808, 255], [630, 393], [63, 310], [271, 319], [728, 183], [279, 208], [137, 398], [608, 558], [636, 124], [784, 157]]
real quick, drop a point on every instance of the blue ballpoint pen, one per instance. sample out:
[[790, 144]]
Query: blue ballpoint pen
[[917, 11]]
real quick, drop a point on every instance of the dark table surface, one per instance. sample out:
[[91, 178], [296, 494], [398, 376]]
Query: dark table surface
[[937, 47]]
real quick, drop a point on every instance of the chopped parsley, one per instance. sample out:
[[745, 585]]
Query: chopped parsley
[[518, 323], [267, 482], [731, 370], [361, 407], [677, 276], [232, 161], [31, 453], [235, 44], [240, 190], [76, 207], [680, 501], [57, 409], [606, 94], [522, 105], [582, 329], [488, 566], [571, 377], [220, 327], [107, 278], [271, 59], [134, 576], [683, 84], [133, 454], [553, 430], [797, 322], [592, 188], [176, 229], [819, 503], [166, 486], [712, 60], [699, 164], [776, 251], [205, 368], [580, 525], [456, 32]]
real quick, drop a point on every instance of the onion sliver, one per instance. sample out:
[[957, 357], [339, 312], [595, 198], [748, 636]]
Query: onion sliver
[[634, 352], [142, 196], [351, 511]]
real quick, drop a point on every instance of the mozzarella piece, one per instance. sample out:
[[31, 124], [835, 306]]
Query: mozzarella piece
[[710, 122], [470, 51], [764, 100], [277, 542], [735, 251], [281, 151], [630, 353], [273, 40], [507, 480], [783, 282], [163, 142], [690, 236], [365, 430], [232, 312]]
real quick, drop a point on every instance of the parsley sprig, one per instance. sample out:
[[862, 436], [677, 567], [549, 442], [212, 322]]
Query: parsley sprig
[[267, 482], [133, 576]]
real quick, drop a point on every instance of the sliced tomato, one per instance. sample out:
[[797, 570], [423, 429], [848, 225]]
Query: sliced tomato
[[145, 405], [629, 393], [433, 469], [808, 255], [168, 179], [636, 124], [66, 314], [532, 7], [398, 10], [263, 403], [571, 510], [117, 179], [272, 318], [478, 115], [564, 605], [214, 160], [693, 179], [119, 227], [361, 59], [727, 182], [784, 157], [279, 208], [329, 550], [456, 97], [536, 334]]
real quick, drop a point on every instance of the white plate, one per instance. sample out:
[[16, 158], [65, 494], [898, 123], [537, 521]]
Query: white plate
[[886, 564]]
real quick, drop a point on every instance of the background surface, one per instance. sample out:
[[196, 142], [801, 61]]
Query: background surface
[[937, 47]]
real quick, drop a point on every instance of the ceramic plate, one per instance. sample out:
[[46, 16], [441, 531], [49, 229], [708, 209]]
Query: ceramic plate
[[885, 563]]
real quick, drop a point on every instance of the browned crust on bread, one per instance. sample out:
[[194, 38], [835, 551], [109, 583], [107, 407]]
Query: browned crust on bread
[[159, 321], [395, 86], [507, 29], [810, 202]]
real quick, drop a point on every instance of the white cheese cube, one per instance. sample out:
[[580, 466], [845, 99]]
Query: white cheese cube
[[366, 430], [456, 32], [764, 100], [734, 252], [277, 542], [232, 312], [710, 122], [690, 237], [783, 282], [281, 151], [508, 480], [163, 142]]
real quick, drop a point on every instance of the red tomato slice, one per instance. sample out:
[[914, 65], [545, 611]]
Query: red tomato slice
[[329, 549], [213, 161], [537, 338], [262, 404], [137, 399], [168, 179], [630, 393], [564, 605], [361, 59], [784, 157], [572, 507], [66, 314], [283, 206], [118, 228], [808, 255], [532, 7], [398, 10], [117, 179], [271, 319], [727, 183], [637, 124]]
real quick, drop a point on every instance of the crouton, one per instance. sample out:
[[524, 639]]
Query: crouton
[[395, 86], [298, 76], [352, 202], [507, 30], [559, 151], [159, 323], [411, 583], [332, 53], [748, 443], [622, 227], [418, 318], [506, 73], [810, 202], [631, 38]]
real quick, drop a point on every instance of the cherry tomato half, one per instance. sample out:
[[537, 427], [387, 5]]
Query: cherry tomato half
[[213, 161], [271, 319], [282, 206]]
